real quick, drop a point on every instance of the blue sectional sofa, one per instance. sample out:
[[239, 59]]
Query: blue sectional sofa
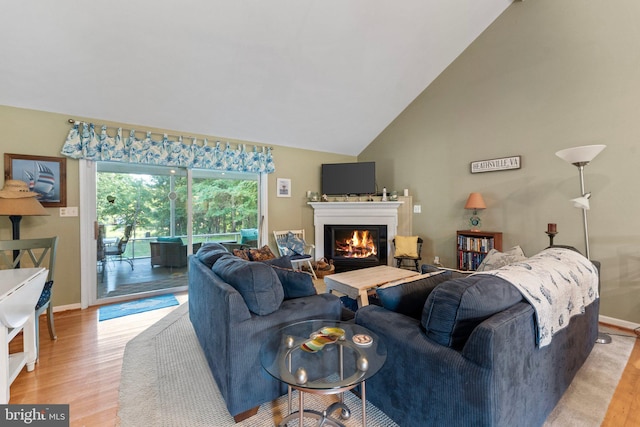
[[233, 305], [471, 356]]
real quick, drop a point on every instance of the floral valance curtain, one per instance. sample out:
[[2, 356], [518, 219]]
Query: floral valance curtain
[[84, 143]]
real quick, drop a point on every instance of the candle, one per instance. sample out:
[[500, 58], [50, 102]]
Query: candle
[[406, 192], [552, 228]]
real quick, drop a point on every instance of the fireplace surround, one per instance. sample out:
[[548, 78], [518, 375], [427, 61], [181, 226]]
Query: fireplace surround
[[355, 213], [355, 246]]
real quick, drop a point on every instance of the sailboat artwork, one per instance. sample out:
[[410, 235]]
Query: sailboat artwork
[[45, 175], [41, 180]]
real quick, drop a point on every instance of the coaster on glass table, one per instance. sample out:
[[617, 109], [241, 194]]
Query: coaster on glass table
[[362, 340]]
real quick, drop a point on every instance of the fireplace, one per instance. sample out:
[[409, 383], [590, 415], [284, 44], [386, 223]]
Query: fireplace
[[352, 247], [355, 213]]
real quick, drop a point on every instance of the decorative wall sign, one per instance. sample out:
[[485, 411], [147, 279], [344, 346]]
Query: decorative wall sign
[[501, 164], [44, 175]]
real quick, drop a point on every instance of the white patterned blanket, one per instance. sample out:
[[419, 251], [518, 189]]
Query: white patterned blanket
[[559, 283]]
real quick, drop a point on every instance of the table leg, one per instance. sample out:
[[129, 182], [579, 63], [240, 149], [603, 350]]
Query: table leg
[[364, 404], [29, 341], [363, 298], [4, 364], [289, 390], [301, 409]]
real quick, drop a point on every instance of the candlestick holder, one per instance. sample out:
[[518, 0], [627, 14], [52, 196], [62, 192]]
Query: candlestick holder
[[551, 235]]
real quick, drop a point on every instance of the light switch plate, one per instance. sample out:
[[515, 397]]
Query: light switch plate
[[417, 209], [69, 211]]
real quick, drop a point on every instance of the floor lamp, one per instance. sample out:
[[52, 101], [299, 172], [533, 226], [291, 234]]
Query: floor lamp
[[580, 157], [17, 201]]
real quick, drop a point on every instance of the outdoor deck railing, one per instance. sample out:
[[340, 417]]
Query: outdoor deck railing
[[138, 247]]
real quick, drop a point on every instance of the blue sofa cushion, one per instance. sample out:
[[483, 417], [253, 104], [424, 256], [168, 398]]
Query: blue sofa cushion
[[296, 284], [282, 262], [409, 295], [255, 281], [209, 253], [456, 307], [248, 235], [170, 240]]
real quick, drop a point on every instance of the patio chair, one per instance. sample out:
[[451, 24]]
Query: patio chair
[[119, 248], [291, 243]]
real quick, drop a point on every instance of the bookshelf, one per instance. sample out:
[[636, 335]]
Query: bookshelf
[[472, 247]]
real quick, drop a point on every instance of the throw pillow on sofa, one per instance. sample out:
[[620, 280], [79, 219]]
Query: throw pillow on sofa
[[496, 259], [408, 296], [456, 307], [255, 281], [242, 254], [296, 284], [262, 254]]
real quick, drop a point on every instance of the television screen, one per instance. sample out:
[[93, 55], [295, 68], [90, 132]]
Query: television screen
[[349, 178]]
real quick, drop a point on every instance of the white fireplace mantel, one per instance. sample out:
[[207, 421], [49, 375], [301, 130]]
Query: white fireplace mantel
[[355, 213]]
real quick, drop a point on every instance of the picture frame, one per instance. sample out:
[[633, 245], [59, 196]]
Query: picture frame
[[43, 174], [283, 187]]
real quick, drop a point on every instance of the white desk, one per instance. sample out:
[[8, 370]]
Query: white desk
[[19, 292]]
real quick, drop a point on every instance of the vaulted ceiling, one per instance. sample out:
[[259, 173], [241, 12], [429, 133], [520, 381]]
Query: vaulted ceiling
[[322, 75]]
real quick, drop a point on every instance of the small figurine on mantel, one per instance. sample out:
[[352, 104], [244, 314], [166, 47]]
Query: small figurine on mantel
[[325, 198]]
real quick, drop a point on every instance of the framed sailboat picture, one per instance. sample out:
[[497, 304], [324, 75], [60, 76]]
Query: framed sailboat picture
[[44, 175]]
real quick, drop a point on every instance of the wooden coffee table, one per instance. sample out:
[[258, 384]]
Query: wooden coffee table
[[357, 283]]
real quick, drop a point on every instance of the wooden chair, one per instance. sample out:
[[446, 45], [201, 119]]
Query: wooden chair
[[34, 253], [416, 259], [304, 254]]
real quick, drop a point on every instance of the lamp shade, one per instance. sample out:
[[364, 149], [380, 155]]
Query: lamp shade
[[580, 155], [582, 202], [28, 206], [475, 201]]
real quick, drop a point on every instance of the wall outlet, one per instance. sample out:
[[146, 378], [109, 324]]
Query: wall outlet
[[417, 209], [69, 211]]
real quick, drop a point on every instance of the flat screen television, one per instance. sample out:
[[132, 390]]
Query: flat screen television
[[349, 178]]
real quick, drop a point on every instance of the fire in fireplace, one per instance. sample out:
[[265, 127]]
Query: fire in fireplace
[[359, 245], [355, 246]]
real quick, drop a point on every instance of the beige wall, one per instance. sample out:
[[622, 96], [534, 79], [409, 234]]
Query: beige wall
[[25, 131], [303, 168], [546, 75]]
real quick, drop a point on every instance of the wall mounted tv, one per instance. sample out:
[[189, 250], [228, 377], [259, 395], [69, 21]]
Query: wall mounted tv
[[349, 178]]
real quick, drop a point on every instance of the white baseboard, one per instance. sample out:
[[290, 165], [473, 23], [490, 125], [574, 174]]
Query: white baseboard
[[57, 308], [617, 322]]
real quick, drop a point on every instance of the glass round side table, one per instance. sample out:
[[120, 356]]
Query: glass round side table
[[323, 357]]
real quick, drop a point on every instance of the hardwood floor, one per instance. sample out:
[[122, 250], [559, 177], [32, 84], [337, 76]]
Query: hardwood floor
[[624, 409], [82, 368]]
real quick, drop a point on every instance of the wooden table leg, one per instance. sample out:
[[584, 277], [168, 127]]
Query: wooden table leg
[[363, 298]]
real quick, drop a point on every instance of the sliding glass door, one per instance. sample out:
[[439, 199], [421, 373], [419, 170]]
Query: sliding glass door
[[143, 233]]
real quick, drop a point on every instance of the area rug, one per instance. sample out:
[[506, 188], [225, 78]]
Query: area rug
[[166, 382], [112, 311]]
